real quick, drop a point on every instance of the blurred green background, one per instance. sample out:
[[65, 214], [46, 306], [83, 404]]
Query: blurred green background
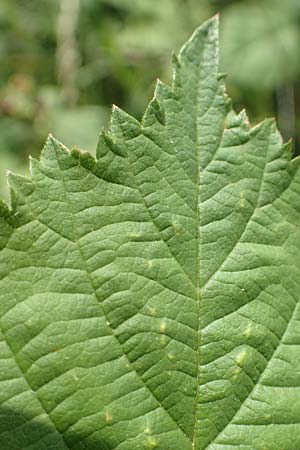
[[64, 62]]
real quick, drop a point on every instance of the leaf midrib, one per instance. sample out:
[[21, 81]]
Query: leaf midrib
[[198, 294]]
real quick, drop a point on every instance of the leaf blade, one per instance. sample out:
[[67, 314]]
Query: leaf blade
[[142, 291]]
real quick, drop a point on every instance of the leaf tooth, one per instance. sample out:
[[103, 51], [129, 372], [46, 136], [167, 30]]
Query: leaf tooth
[[102, 147], [154, 113], [55, 158], [19, 187], [53, 148], [228, 105], [20, 184], [239, 120], [123, 125], [244, 116], [221, 76], [33, 165], [268, 125], [175, 61], [162, 91], [4, 209], [295, 162], [288, 149], [107, 143]]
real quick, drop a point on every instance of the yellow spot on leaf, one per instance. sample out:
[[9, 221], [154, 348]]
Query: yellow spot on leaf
[[162, 327], [236, 371], [248, 331], [108, 417], [176, 228], [152, 311], [240, 359], [152, 443], [242, 199], [134, 235]]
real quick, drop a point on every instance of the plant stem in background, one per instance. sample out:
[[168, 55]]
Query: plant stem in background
[[67, 54], [285, 102]]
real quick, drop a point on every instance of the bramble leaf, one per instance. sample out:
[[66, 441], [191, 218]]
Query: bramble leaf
[[150, 296]]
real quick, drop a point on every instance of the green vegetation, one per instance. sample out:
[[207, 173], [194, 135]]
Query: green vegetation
[[150, 295], [65, 62]]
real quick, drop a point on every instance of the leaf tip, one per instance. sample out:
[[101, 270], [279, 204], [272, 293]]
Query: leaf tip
[[205, 40]]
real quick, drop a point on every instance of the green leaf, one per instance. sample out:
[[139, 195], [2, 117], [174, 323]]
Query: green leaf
[[150, 297]]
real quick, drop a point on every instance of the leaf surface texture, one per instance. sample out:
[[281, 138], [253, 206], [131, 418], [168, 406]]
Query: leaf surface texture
[[150, 296]]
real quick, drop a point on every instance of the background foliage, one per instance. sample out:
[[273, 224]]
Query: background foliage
[[64, 62]]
